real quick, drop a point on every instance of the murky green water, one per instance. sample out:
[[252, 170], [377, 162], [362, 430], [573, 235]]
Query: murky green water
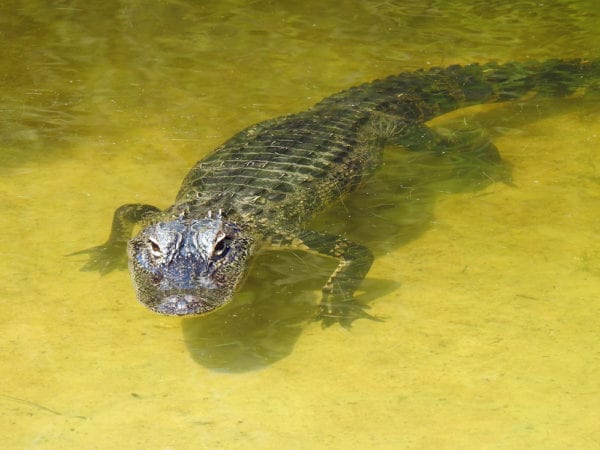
[[489, 293]]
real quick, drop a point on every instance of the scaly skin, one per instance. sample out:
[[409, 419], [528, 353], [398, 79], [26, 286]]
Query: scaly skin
[[258, 189]]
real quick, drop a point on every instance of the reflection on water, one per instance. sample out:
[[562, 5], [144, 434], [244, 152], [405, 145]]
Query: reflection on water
[[486, 271]]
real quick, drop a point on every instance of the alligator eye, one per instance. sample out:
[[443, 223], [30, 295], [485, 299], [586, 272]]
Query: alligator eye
[[154, 248], [221, 247]]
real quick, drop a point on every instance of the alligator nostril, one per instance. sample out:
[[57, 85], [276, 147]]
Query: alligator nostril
[[181, 306]]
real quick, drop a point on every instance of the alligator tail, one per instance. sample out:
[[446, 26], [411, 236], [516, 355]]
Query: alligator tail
[[421, 95]]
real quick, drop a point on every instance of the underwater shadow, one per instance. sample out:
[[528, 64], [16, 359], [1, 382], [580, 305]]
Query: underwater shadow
[[265, 320]]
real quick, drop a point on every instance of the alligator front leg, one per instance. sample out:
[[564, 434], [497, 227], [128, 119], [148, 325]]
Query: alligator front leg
[[338, 303], [113, 253]]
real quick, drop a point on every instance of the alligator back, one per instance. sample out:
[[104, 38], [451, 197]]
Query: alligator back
[[284, 169], [280, 172]]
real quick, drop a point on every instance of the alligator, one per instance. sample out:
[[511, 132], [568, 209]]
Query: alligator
[[259, 189]]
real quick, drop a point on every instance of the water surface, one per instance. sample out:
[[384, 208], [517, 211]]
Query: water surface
[[488, 291]]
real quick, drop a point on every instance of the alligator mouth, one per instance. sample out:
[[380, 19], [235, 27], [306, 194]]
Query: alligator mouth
[[184, 304]]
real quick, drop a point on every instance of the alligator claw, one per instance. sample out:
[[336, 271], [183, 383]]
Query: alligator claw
[[344, 312], [104, 258]]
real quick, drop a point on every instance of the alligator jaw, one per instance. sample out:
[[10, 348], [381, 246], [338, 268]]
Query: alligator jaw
[[183, 305]]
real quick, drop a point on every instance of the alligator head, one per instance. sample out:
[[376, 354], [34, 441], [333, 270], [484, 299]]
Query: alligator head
[[188, 266]]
